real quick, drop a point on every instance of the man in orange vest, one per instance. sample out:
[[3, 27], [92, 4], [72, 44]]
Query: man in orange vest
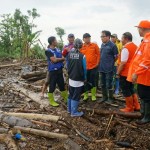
[[139, 71], [127, 53], [92, 54]]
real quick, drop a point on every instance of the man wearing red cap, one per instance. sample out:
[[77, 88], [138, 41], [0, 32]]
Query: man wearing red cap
[[139, 70]]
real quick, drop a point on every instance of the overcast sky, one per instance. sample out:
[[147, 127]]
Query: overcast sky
[[79, 17]]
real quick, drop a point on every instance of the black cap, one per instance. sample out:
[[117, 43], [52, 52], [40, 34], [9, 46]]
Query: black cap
[[70, 35], [86, 35]]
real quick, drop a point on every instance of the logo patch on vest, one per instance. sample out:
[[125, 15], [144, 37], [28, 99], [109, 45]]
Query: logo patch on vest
[[74, 56], [139, 53]]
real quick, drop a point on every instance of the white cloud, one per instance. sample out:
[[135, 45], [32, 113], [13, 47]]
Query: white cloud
[[79, 17]]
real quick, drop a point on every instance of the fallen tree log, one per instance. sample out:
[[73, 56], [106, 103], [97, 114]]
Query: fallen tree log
[[15, 121], [33, 79], [34, 87], [9, 65], [42, 133], [8, 140], [29, 94], [33, 74], [34, 116], [41, 123], [105, 112]]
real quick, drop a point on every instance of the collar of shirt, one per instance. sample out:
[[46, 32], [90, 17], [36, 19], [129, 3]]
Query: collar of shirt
[[127, 44], [87, 44], [108, 43]]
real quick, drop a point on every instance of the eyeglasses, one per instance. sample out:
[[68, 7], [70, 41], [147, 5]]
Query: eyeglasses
[[103, 36]]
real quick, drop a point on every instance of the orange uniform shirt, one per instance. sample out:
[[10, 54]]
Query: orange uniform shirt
[[131, 47], [140, 64], [92, 54]]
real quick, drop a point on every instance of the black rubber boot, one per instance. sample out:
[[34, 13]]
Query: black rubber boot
[[146, 118], [110, 97], [142, 108], [104, 95]]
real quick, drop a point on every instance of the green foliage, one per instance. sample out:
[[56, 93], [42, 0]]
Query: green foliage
[[37, 52], [60, 45], [60, 32], [17, 33]]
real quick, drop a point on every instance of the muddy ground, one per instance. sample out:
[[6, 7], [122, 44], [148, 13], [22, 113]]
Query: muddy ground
[[93, 131]]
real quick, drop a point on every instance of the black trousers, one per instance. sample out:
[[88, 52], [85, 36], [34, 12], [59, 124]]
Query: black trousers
[[56, 77], [75, 92], [144, 92], [91, 76], [126, 87]]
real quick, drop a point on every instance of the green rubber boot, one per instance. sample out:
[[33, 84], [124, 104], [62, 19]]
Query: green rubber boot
[[51, 100], [64, 94], [93, 93], [85, 96]]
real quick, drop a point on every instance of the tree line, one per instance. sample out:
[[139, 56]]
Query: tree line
[[19, 36]]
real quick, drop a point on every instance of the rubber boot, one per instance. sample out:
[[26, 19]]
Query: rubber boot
[[69, 106], [129, 105], [85, 96], [146, 118], [104, 95], [64, 94], [93, 93], [74, 109], [110, 97], [136, 103], [117, 87], [51, 100], [142, 109]]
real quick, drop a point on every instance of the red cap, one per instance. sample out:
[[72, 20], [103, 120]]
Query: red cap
[[144, 24]]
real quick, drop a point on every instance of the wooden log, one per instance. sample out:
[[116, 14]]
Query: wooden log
[[8, 140], [33, 74], [9, 65], [42, 133], [29, 94], [41, 123], [34, 116], [33, 79], [105, 112], [34, 87]]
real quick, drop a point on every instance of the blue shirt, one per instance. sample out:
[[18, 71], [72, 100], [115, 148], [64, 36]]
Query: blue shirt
[[109, 52]]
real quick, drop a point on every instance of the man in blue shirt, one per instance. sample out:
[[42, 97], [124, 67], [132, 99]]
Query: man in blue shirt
[[108, 56], [55, 66]]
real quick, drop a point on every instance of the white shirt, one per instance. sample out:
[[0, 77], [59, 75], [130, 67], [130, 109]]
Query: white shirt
[[124, 55], [75, 83]]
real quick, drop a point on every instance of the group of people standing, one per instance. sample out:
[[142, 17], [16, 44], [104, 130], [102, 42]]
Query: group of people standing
[[120, 60]]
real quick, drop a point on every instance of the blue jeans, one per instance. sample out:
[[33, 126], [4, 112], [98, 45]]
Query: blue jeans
[[107, 80]]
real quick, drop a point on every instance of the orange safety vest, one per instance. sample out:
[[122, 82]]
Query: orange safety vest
[[140, 64], [131, 47]]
